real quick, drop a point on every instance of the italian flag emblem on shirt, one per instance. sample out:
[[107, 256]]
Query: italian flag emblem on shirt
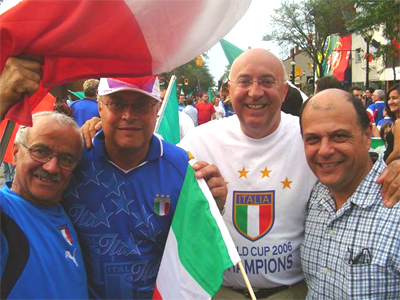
[[161, 204], [253, 213]]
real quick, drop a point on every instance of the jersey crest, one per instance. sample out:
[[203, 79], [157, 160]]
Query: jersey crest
[[253, 213], [65, 233], [162, 204]]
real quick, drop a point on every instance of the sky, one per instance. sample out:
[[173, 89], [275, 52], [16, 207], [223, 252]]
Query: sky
[[248, 32]]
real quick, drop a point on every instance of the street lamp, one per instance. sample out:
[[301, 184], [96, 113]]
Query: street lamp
[[293, 64], [367, 37]]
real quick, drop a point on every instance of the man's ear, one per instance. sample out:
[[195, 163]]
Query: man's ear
[[14, 153]]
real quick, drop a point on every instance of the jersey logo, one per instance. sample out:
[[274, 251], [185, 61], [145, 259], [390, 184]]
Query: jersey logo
[[162, 204], [65, 233], [71, 257], [253, 213]]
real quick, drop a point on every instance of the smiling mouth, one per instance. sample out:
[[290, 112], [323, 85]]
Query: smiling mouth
[[329, 165], [256, 106]]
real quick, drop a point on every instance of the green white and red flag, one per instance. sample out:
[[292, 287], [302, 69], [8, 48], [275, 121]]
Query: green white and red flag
[[199, 248]]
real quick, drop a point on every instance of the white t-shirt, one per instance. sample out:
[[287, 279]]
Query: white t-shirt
[[269, 183], [185, 124]]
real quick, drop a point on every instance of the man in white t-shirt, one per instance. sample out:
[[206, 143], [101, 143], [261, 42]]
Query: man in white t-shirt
[[260, 153]]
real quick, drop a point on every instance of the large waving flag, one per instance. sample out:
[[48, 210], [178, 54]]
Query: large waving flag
[[111, 38], [199, 248]]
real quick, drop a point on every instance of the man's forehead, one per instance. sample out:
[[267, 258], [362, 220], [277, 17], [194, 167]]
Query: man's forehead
[[127, 95]]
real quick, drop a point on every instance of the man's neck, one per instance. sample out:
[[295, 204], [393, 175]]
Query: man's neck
[[126, 159]]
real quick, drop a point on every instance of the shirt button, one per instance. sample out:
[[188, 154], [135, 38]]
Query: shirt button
[[330, 232], [325, 270]]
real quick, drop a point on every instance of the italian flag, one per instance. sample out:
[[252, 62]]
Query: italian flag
[[110, 38], [199, 248]]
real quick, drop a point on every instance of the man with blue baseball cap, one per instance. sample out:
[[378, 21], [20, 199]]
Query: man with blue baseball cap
[[112, 196]]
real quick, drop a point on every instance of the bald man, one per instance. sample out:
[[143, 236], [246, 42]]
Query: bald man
[[351, 245], [260, 153]]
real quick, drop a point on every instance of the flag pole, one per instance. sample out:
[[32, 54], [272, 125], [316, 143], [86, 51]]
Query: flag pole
[[5, 139], [246, 281], [164, 103]]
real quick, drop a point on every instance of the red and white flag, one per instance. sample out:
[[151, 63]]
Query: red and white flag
[[112, 38]]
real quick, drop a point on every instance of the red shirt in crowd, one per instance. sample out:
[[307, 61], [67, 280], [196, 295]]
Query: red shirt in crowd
[[205, 111]]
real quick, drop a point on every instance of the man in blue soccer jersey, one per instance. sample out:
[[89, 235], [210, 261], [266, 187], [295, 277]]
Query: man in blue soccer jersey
[[351, 248], [120, 183], [40, 253]]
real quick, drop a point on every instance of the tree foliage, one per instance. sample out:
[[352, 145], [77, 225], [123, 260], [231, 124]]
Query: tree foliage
[[306, 25], [196, 76], [376, 15]]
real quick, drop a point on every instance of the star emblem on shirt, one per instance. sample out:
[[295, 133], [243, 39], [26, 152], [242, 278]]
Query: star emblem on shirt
[[286, 183], [142, 217], [265, 172], [243, 173], [113, 186], [102, 217], [122, 204], [92, 176]]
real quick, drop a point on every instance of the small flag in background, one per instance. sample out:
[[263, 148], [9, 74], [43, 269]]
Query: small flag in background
[[199, 248], [230, 50]]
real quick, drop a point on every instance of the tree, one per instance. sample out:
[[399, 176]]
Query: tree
[[376, 15], [306, 25], [196, 76]]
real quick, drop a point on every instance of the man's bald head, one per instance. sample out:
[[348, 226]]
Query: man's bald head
[[258, 56], [330, 99]]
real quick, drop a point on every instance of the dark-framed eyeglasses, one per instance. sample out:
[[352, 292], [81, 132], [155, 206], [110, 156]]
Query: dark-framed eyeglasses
[[246, 83], [43, 155], [141, 107]]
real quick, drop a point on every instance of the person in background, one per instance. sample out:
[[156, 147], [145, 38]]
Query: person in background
[[368, 96], [351, 248], [8, 171], [327, 82], [205, 110], [383, 131], [393, 137], [219, 108], [181, 102], [293, 102], [191, 111], [86, 108], [357, 92], [377, 107], [40, 254]]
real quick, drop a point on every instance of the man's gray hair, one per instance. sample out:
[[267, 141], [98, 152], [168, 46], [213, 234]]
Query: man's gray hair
[[63, 120], [381, 94]]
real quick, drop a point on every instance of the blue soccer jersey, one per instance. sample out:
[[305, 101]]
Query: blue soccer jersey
[[123, 217], [40, 253]]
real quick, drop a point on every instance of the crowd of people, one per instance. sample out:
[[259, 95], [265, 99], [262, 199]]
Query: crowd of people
[[311, 212]]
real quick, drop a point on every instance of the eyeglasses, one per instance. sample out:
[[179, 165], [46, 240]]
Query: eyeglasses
[[266, 83], [141, 107], [43, 155]]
